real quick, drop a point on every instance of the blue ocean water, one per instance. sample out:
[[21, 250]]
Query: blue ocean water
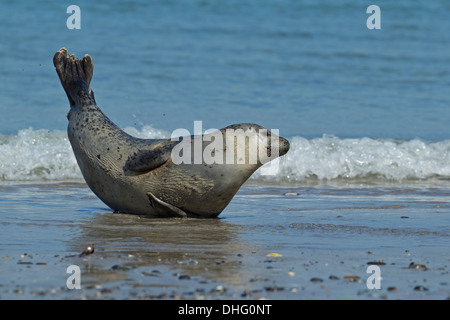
[[311, 69]]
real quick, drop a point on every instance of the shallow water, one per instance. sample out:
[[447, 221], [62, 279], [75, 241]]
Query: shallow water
[[319, 231]]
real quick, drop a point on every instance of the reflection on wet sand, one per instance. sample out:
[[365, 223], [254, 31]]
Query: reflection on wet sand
[[208, 247]]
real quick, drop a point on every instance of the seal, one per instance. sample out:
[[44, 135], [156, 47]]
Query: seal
[[156, 177]]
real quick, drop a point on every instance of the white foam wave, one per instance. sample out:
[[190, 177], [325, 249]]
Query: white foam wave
[[34, 155], [329, 158], [147, 132], [37, 155]]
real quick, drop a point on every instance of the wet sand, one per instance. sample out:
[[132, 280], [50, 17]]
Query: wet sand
[[308, 242]]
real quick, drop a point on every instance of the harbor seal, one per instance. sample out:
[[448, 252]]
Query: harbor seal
[[156, 177]]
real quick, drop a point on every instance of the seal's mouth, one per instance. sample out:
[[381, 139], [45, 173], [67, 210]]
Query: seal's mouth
[[283, 146], [277, 146]]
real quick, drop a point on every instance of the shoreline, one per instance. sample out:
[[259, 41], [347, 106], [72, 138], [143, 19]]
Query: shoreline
[[272, 242]]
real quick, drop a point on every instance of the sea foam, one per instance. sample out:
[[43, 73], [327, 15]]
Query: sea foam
[[37, 155], [329, 158]]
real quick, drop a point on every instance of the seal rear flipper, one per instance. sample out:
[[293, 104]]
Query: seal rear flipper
[[163, 209], [75, 76]]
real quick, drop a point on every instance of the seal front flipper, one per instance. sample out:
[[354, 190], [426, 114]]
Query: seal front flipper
[[163, 209], [144, 160]]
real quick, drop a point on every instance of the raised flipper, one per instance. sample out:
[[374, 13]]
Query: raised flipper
[[75, 76], [163, 209]]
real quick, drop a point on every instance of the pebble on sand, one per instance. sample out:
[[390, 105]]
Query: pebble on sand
[[89, 250], [414, 265], [273, 254]]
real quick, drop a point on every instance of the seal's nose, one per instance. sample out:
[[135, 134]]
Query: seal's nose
[[283, 146]]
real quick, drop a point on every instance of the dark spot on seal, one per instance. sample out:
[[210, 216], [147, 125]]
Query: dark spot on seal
[[98, 156]]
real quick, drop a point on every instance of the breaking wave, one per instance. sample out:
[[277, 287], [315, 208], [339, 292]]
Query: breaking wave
[[43, 155], [37, 155], [331, 158]]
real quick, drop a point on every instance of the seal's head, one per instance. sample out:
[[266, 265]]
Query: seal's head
[[257, 143]]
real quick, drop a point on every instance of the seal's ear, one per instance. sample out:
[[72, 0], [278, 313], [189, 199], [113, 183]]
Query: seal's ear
[[163, 209]]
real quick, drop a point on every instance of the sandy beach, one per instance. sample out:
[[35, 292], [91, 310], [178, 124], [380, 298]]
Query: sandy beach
[[313, 242]]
